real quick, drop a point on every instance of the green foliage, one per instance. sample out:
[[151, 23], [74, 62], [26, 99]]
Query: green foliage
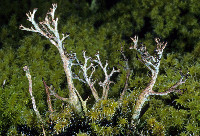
[[105, 30], [82, 134], [104, 109], [61, 119], [109, 118], [155, 127]]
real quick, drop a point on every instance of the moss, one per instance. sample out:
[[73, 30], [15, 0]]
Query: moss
[[104, 30]]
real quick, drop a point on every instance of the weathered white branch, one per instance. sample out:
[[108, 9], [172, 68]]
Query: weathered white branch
[[173, 88], [53, 10], [78, 78], [87, 78], [4, 82], [153, 64], [52, 92], [135, 41], [106, 83], [49, 29], [28, 75]]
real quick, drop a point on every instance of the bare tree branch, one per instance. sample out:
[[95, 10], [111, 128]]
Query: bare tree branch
[[49, 29], [128, 73], [48, 96], [173, 88], [52, 90], [84, 69], [4, 82], [106, 83], [153, 64], [28, 75]]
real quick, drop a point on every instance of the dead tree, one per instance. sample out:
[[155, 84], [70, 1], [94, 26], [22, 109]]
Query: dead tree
[[153, 64], [49, 29]]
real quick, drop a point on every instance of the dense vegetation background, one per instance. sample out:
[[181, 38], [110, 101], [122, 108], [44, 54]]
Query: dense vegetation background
[[103, 26]]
